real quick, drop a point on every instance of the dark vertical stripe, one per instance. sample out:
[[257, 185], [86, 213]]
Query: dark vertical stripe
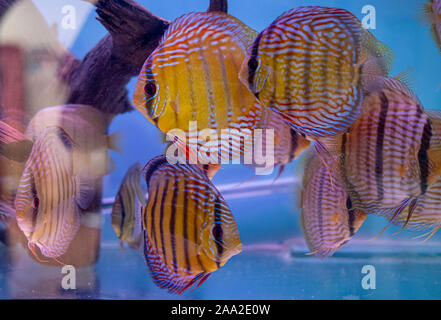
[[173, 223], [294, 144], [218, 233], [196, 227], [423, 157], [253, 58], [152, 218], [379, 146], [351, 216], [185, 224], [161, 219], [123, 215]]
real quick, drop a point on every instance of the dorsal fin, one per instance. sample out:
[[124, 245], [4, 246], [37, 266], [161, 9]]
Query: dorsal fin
[[151, 166], [218, 21]]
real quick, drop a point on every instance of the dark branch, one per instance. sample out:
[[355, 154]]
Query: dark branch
[[218, 5], [5, 5], [101, 77]]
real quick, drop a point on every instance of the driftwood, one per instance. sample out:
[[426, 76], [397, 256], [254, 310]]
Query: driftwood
[[134, 32]]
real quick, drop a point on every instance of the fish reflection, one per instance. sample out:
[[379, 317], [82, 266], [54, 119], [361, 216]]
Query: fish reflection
[[67, 161], [189, 229], [49, 195], [126, 211], [328, 219]]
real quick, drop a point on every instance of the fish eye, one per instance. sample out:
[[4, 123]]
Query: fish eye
[[150, 89], [36, 203], [253, 64], [217, 231]]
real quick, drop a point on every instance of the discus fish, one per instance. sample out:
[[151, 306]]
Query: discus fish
[[432, 15], [328, 219], [13, 144], [126, 213], [189, 229], [49, 196], [193, 75], [392, 153], [87, 127], [309, 66]]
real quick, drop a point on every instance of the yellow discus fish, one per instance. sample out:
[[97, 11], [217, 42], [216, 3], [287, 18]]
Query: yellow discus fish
[[189, 229], [193, 76]]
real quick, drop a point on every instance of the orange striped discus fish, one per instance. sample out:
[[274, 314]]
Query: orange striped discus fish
[[308, 64], [328, 219], [432, 15], [49, 197], [126, 212], [392, 153], [193, 75], [188, 227]]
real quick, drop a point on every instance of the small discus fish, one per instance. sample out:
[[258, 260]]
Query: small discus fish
[[189, 229], [49, 196], [328, 219], [308, 65], [126, 212], [193, 77]]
